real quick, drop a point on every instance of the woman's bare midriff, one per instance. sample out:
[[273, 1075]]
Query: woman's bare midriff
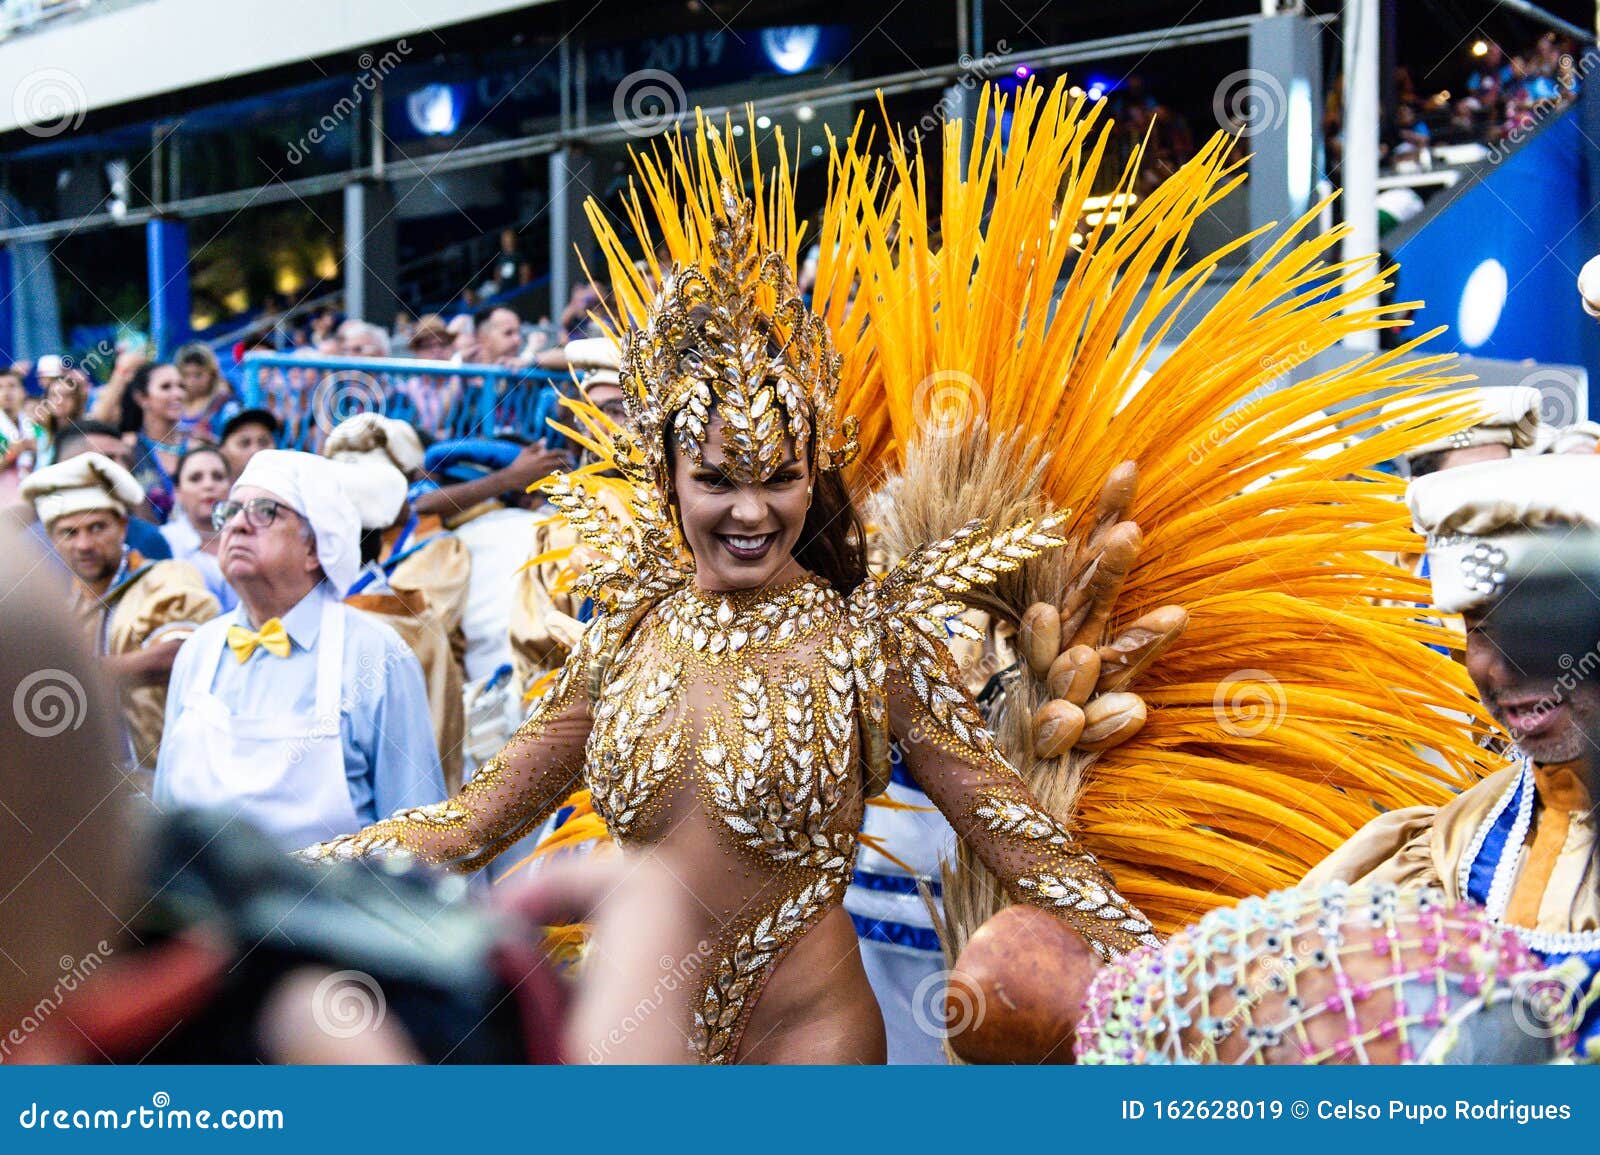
[[817, 1006]]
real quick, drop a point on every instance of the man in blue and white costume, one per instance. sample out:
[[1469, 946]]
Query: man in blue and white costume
[[1521, 842], [295, 712]]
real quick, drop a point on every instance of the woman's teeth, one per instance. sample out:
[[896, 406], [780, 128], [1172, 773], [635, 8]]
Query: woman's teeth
[[748, 548]]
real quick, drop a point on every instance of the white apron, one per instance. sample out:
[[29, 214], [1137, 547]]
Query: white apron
[[282, 772]]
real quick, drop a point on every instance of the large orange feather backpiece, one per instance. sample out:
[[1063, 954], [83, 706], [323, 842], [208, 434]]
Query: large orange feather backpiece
[[1004, 368], [994, 366]]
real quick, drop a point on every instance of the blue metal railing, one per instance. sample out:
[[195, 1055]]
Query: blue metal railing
[[311, 395]]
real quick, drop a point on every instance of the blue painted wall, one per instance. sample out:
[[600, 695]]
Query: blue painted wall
[[1531, 215]]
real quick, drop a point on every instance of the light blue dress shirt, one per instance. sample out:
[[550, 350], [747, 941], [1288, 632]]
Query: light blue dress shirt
[[390, 757]]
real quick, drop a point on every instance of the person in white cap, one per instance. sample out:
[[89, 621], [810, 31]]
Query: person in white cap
[[1507, 420], [1520, 842], [296, 712], [389, 453], [416, 573], [1589, 286], [140, 611]]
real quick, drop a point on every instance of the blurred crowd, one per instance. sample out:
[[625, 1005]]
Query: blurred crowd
[[490, 335], [482, 325], [160, 410], [1501, 97]]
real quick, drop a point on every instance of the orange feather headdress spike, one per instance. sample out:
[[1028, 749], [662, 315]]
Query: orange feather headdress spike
[[728, 328]]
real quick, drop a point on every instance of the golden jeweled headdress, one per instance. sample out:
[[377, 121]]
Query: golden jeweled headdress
[[728, 330]]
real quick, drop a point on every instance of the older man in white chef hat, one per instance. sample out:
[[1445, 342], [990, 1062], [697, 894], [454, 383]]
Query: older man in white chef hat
[[1506, 423], [295, 711]]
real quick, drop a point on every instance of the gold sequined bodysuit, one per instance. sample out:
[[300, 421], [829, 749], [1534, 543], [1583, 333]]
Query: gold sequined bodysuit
[[732, 727]]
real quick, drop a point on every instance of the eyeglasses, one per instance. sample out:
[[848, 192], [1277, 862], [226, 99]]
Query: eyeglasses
[[259, 512], [617, 411]]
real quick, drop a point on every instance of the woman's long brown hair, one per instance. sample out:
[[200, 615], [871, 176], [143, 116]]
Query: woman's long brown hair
[[833, 542]]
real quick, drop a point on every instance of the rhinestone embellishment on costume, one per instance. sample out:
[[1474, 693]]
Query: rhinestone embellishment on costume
[[1484, 568]]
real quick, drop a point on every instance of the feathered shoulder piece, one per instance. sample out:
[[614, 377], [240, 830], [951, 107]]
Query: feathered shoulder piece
[[619, 516], [917, 607]]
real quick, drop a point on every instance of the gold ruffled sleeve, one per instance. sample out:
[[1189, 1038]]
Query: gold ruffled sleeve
[[441, 570], [409, 614], [1415, 846], [167, 603], [515, 791]]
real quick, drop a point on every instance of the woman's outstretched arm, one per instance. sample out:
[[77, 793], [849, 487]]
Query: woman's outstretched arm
[[514, 792]]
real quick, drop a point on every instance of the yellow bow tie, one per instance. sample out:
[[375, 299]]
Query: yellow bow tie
[[272, 637]]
